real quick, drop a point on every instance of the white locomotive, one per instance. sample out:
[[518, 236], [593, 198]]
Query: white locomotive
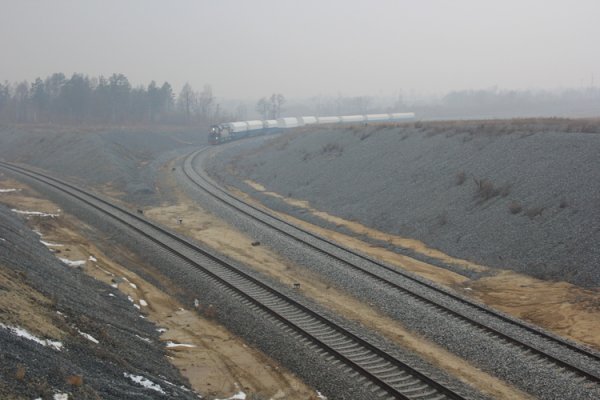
[[236, 130]]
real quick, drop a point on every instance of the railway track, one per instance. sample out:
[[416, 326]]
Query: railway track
[[534, 344], [385, 375]]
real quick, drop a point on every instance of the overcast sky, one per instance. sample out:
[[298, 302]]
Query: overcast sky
[[247, 49]]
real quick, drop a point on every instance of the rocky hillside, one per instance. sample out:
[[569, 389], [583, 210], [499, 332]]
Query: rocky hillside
[[117, 160], [517, 194]]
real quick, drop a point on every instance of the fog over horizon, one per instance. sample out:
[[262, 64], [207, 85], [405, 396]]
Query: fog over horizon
[[247, 50]]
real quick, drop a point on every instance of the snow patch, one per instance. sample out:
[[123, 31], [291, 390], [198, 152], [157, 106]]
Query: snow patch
[[70, 263], [25, 334], [137, 306], [173, 344], [130, 298], [238, 396], [61, 396], [144, 339], [115, 285], [133, 285], [9, 190], [147, 383], [161, 330], [88, 337], [2, 239], [49, 244], [320, 396], [143, 303], [111, 295], [34, 213], [92, 259]]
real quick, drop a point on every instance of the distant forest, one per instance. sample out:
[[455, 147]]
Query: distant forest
[[112, 100]]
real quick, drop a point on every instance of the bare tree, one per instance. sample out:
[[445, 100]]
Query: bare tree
[[277, 101], [205, 102], [186, 100], [262, 107]]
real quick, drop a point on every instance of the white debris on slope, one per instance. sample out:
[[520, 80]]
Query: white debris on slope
[[92, 259], [238, 396], [320, 396], [49, 244], [143, 303], [147, 340], [173, 344], [34, 213], [147, 383], [61, 396], [56, 345], [70, 263], [9, 190], [88, 337]]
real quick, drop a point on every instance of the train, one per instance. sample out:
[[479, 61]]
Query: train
[[229, 131]]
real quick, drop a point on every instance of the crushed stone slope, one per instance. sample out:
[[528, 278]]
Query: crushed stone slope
[[62, 302], [519, 194]]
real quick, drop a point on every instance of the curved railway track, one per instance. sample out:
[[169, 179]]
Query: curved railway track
[[385, 375], [571, 358]]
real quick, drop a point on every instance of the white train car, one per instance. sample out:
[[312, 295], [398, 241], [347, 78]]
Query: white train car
[[352, 118], [237, 127], [377, 117], [270, 123], [401, 116], [308, 120], [290, 122], [328, 120], [254, 125]]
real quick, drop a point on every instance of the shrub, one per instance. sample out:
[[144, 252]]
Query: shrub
[[75, 380], [366, 135], [563, 204], [514, 207], [332, 149], [534, 212], [461, 177], [486, 190]]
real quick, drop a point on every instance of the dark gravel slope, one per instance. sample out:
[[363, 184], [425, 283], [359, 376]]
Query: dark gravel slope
[[521, 194], [78, 303]]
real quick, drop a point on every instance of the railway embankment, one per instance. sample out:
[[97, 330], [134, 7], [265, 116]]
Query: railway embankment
[[518, 195], [62, 332]]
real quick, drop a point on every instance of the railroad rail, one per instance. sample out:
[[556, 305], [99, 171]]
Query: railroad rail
[[551, 348], [385, 375]]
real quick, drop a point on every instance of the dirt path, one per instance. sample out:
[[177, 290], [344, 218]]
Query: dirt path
[[215, 362], [209, 230], [561, 307]]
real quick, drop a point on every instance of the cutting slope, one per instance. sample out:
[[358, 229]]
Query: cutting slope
[[521, 194]]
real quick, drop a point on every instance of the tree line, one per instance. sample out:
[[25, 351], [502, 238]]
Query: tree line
[[112, 100]]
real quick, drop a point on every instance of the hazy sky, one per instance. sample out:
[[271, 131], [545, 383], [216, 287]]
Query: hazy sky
[[247, 49]]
